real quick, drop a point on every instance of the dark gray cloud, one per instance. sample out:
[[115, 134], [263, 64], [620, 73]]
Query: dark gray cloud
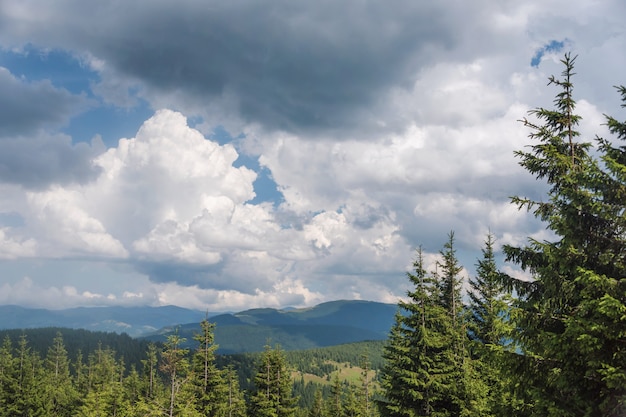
[[288, 65], [204, 276], [29, 156], [36, 162], [28, 107]]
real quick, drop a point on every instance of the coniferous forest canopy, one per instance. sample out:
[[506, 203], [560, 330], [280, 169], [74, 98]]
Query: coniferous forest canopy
[[551, 345]]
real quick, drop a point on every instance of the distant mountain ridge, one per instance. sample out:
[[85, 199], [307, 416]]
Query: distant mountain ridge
[[131, 320], [326, 324]]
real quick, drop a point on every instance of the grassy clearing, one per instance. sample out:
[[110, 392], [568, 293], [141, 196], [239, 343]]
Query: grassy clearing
[[345, 372]]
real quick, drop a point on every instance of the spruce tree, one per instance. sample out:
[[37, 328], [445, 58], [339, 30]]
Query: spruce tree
[[490, 332], [427, 370], [29, 376], [570, 318], [105, 383], [489, 306], [419, 359], [335, 400], [61, 395], [235, 401], [318, 408], [8, 378], [214, 396], [273, 395], [466, 392], [175, 365]]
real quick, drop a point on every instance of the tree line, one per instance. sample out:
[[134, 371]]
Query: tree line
[[171, 379]]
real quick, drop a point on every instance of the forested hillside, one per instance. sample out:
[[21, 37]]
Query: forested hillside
[[65, 372], [80, 340], [327, 324]]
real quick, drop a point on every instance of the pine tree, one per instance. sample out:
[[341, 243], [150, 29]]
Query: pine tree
[[151, 386], [335, 401], [490, 331], [105, 393], [418, 354], [62, 397], [466, 393], [175, 365], [149, 375], [273, 387], [489, 306], [214, 396], [428, 371], [317, 408], [8, 378], [236, 404], [353, 404], [366, 385], [28, 375], [570, 318]]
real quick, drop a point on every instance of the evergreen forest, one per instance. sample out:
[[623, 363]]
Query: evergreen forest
[[550, 341]]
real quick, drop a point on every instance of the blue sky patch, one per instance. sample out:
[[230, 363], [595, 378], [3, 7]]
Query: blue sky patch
[[62, 69], [552, 46]]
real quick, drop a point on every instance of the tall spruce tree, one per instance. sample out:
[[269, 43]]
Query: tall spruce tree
[[318, 408], [571, 322], [8, 378], [215, 390], [428, 370], [490, 332], [489, 306], [236, 404], [29, 374], [336, 400], [61, 395], [175, 365], [466, 394], [420, 374], [273, 396]]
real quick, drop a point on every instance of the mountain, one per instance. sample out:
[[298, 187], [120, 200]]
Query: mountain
[[327, 324], [131, 320]]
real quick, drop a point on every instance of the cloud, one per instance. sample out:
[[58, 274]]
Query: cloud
[[301, 67], [171, 204], [31, 156], [60, 214], [28, 107], [551, 47], [40, 160], [13, 248], [383, 126]]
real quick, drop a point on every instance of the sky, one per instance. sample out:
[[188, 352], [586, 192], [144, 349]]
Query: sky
[[224, 155]]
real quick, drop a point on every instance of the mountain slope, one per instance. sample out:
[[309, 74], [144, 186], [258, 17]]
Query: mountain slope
[[327, 324], [131, 320]]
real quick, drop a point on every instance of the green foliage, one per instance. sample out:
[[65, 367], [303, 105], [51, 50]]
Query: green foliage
[[273, 395], [216, 391], [428, 371], [570, 320], [95, 380], [80, 340], [490, 327], [175, 365], [60, 394]]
